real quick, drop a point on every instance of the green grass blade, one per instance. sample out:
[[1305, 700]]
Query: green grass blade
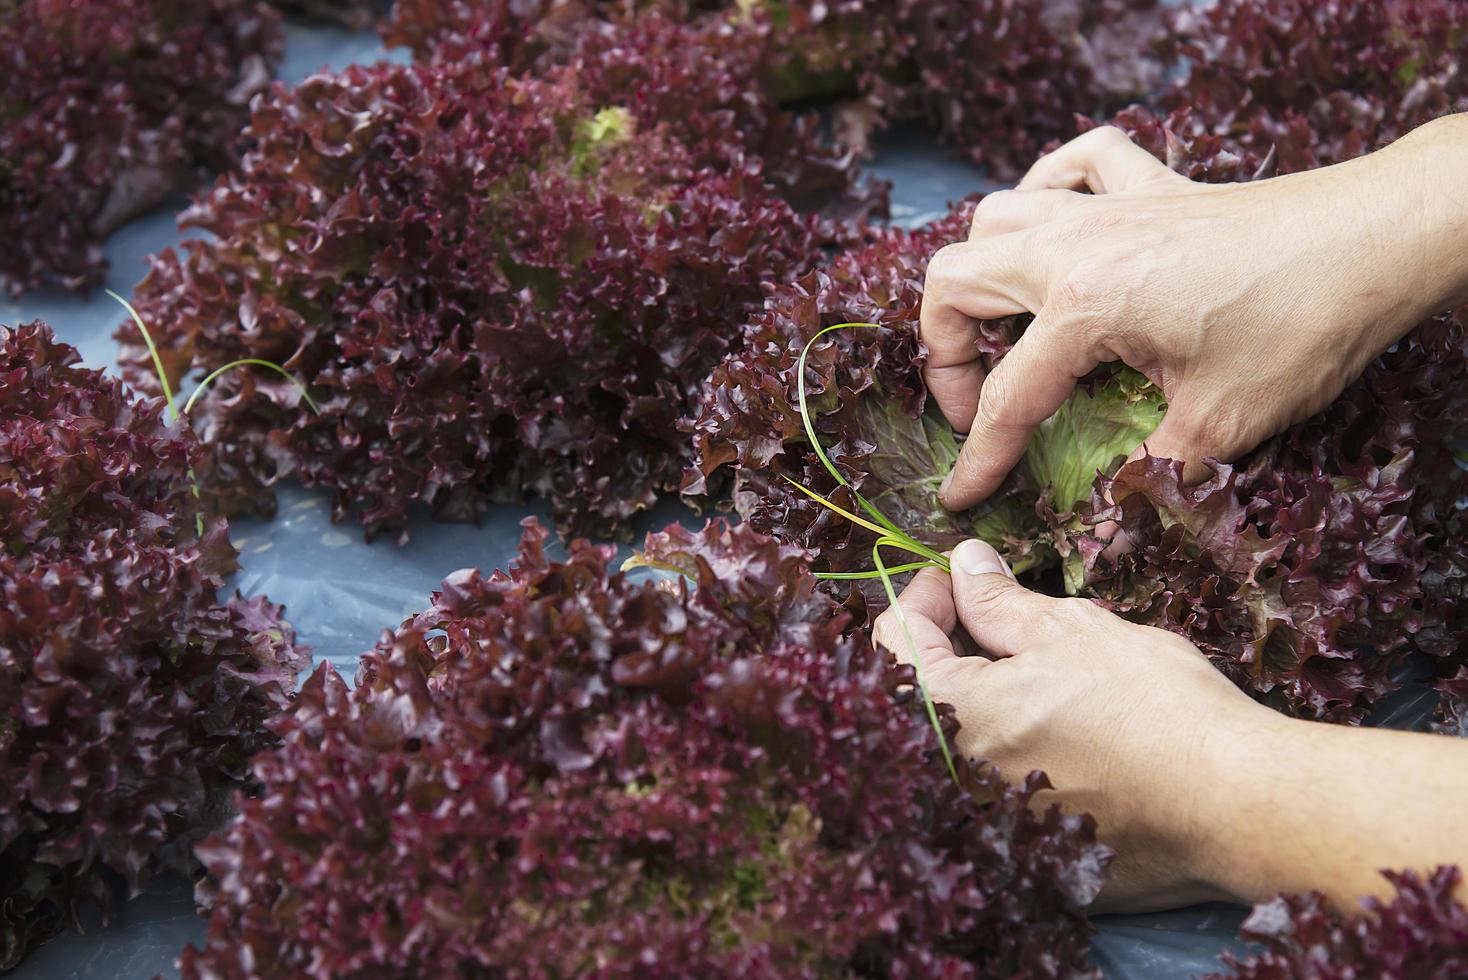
[[896, 539], [858, 576], [810, 429], [242, 362], [912, 650], [152, 351], [860, 521]]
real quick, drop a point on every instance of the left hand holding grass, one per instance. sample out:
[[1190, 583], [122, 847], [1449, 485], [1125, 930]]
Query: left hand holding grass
[[1204, 793]]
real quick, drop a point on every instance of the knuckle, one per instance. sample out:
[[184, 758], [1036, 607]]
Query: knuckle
[[945, 266], [995, 397], [1110, 136], [1079, 612], [1086, 285], [1212, 430], [991, 207], [947, 675], [882, 628], [995, 599]]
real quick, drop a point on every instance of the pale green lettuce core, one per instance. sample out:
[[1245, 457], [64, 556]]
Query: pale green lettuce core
[[608, 127], [1092, 432]]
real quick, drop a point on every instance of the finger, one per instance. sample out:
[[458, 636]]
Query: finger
[[929, 596], [1015, 210], [1103, 161], [967, 282], [1027, 387], [998, 612], [927, 605]]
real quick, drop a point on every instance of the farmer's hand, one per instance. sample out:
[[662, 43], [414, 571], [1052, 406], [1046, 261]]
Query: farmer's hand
[[1202, 792], [1251, 305]]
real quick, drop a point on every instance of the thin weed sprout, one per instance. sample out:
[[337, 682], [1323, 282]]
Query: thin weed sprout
[[889, 535], [177, 413]]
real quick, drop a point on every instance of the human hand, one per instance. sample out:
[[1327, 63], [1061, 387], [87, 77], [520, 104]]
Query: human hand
[[1124, 719], [1250, 305]]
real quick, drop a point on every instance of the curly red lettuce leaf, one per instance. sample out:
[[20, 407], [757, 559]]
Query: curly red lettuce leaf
[[1422, 931], [494, 287], [1310, 568], [132, 696], [696, 77], [562, 770], [997, 78], [106, 106]]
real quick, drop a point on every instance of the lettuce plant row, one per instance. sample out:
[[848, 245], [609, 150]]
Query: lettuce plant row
[[996, 78], [132, 695], [493, 284], [106, 106], [562, 771]]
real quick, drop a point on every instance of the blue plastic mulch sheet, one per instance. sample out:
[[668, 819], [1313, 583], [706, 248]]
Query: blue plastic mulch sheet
[[341, 592]]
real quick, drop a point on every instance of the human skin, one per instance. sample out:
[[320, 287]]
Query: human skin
[[1250, 305], [1203, 793]]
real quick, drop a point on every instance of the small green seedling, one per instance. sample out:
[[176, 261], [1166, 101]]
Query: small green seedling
[[175, 412]]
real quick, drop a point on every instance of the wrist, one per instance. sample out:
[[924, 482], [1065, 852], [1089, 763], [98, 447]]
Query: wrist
[[1425, 183], [1230, 815]]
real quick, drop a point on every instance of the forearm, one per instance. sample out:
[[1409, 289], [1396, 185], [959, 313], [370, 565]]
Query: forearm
[[1422, 213], [1293, 806]]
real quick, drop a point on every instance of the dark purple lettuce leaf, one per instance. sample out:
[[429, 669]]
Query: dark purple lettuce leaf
[[1452, 710], [1422, 933], [1310, 568], [354, 14], [108, 105], [131, 696], [561, 771], [495, 286], [997, 78]]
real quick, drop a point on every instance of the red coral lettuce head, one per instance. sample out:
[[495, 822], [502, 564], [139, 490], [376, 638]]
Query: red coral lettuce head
[[561, 770], [131, 697]]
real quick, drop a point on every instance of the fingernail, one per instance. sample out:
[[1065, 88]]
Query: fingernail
[[975, 557], [947, 482]]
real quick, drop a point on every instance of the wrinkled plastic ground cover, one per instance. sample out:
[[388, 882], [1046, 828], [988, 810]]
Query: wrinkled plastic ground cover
[[340, 592]]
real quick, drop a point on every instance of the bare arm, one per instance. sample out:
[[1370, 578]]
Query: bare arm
[[1302, 805]]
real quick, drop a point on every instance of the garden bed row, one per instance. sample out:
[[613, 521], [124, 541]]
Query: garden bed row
[[573, 252]]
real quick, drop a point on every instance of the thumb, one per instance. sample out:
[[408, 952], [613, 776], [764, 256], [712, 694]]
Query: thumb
[[1002, 615], [1025, 389]]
